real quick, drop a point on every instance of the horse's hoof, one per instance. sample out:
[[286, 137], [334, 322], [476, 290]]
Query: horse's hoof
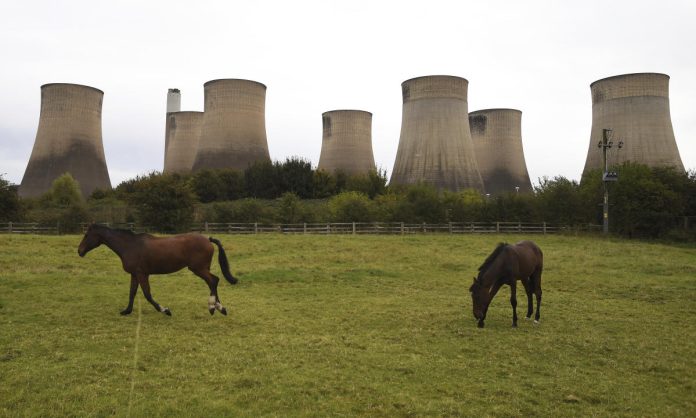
[[514, 325], [480, 324], [211, 310], [223, 311], [167, 312], [527, 318], [536, 322], [126, 312]]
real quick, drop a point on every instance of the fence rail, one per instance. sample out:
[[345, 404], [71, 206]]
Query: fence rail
[[345, 228], [28, 228], [387, 228]]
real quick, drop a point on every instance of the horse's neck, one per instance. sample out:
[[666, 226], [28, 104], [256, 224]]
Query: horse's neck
[[118, 242]]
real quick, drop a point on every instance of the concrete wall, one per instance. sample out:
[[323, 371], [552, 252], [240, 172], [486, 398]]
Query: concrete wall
[[346, 143], [68, 140], [636, 108], [183, 135], [435, 145], [497, 137], [234, 125]]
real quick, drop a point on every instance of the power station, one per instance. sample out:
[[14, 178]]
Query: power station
[[636, 109], [173, 105], [346, 143], [497, 138], [435, 145], [68, 140], [234, 125], [183, 135]]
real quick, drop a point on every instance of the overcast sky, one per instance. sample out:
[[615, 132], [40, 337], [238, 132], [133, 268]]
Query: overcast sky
[[314, 56]]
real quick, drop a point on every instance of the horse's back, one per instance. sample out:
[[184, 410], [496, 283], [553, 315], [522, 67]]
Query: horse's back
[[168, 254], [530, 257]]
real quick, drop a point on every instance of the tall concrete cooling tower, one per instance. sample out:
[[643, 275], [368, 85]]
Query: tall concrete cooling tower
[[234, 125], [183, 134], [346, 143], [435, 145], [173, 105], [636, 108], [68, 140], [497, 136]]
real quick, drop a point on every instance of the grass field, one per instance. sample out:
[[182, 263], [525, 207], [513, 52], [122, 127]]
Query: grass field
[[349, 325]]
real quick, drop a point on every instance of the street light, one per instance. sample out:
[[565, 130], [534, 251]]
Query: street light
[[607, 176]]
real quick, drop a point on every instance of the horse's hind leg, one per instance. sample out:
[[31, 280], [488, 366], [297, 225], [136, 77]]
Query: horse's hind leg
[[131, 296], [213, 300], [145, 285]]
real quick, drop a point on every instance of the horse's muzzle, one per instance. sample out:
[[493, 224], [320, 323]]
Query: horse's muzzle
[[80, 253]]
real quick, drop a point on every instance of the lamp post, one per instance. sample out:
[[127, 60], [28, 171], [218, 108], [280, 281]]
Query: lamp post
[[607, 176]]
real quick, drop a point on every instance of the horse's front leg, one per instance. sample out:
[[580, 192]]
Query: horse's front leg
[[513, 301], [492, 292], [131, 296], [145, 285]]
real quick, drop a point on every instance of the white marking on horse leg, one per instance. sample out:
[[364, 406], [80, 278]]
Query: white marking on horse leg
[[211, 302], [536, 322], [163, 309], [219, 306]]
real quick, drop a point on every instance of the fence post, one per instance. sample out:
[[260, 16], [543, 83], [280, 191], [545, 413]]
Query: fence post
[[423, 227], [304, 228], [402, 228], [450, 227], [256, 228], [519, 226], [497, 227], [328, 228], [9, 228], [206, 227], [57, 227], [353, 228], [544, 228]]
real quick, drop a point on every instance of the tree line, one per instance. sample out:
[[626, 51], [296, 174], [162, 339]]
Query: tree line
[[645, 203]]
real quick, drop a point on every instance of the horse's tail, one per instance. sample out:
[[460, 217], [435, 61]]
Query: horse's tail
[[222, 259]]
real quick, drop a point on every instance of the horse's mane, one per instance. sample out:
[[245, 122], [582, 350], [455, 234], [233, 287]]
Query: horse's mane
[[492, 257], [120, 230]]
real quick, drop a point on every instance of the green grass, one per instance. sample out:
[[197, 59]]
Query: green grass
[[349, 325]]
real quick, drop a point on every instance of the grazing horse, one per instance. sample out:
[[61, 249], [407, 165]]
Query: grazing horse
[[508, 263], [144, 254]]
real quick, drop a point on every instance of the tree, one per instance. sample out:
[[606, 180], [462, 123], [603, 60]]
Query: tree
[[10, 206]]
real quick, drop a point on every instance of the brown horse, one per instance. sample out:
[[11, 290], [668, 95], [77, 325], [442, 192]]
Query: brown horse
[[523, 261], [144, 254]]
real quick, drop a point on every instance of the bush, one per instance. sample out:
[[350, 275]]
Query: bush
[[351, 207], [164, 202]]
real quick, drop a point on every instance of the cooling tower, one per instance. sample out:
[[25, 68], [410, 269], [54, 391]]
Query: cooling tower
[[68, 140], [173, 105], [234, 126], [346, 143], [636, 108], [497, 137], [183, 134], [435, 145]]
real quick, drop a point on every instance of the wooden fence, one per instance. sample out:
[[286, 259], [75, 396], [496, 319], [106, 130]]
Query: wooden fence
[[28, 228], [387, 228], [345, 228]]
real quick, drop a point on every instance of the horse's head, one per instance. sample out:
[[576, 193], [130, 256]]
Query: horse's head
[[479, 298], [90, 241]]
